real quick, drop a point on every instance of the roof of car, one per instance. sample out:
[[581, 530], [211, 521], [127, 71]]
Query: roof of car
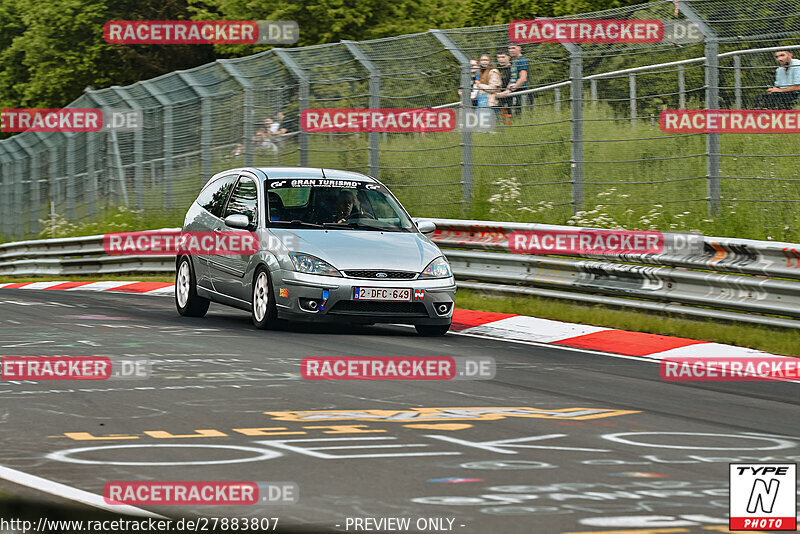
[[313, 172]]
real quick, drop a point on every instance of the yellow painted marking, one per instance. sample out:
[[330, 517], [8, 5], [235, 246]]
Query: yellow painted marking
[[346, 429], [266, 431], [85, 436], [447, 414], [442, 426], [208, 433]]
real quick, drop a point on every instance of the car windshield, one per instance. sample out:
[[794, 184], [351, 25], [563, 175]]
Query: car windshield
[[324, 203]]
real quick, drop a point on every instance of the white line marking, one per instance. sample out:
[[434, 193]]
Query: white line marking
[[73, 494]]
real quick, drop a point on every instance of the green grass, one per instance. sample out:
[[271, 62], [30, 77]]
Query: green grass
[[774, 340]]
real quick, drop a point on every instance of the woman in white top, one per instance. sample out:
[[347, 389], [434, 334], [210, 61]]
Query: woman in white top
[[489, 82]]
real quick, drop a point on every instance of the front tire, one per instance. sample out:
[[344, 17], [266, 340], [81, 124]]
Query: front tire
[[188, 303], [264, 312], [432, 330]]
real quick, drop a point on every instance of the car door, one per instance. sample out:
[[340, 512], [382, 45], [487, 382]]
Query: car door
[[227, 271], [212, 199]]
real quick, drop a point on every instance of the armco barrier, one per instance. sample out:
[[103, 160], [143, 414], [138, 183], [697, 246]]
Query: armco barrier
[[732, 279]]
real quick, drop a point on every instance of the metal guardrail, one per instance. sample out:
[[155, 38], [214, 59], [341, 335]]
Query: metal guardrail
[[732, 279]]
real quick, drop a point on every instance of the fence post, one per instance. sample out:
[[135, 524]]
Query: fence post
[[632, 89], [167, 136], [247, 107], [557, 96], [14, 190], [466, 104], [374, 102], [593, 89], [303, 81], [5, 175], [576, 123], [70, 178], [681, 87], [33, 171], [737, 80], [712, 102], [205, 124], [138, 147]]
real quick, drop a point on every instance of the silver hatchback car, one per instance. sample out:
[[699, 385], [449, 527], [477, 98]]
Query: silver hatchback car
[[333, 246]]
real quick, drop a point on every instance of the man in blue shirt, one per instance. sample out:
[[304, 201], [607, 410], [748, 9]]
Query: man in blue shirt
[[519, 77], [787, 84]]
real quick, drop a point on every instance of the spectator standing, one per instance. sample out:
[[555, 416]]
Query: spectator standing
[[503, 101], [784, 93], [489, 82], [519, 77]]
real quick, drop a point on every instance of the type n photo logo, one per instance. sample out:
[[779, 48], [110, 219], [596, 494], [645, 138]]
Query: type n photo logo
[[763, 497]]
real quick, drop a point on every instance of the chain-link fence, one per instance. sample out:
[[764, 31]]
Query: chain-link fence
[[582, 143]]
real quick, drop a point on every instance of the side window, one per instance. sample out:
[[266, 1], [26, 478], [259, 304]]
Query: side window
[[244, 200], [212, 198]]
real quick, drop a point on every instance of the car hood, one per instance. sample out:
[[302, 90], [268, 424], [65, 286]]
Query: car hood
[[358, 249]]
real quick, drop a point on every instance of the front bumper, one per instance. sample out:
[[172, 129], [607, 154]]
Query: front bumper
[[294, 293]]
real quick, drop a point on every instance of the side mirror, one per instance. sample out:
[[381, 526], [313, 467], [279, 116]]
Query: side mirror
[[237, 220], [425, 227]]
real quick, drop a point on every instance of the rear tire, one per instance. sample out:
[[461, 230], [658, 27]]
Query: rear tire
[[432, 330], [188, 303], [262, 303]]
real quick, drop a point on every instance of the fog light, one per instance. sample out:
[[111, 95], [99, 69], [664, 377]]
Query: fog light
[[442, 308], [309, 304]]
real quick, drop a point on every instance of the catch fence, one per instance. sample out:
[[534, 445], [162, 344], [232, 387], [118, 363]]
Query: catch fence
[[583, 148]]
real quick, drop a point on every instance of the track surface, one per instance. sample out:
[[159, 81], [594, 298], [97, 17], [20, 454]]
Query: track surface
[[218, 376]]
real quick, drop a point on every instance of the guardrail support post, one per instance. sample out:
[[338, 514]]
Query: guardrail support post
[[466, 105], [681, 87], [576, 123], [374, 102], [593, 90], [167, 136], [303, 80]]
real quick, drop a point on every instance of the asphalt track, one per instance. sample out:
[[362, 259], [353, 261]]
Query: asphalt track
[[665, 465]]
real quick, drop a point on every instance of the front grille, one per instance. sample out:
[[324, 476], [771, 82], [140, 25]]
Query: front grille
[[390, 275], [376, 307]]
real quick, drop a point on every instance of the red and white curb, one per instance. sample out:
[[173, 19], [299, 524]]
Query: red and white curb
[[514, 327], [507, 326], [142, 288]]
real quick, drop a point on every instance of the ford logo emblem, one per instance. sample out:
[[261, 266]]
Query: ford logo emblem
[[381, 275]]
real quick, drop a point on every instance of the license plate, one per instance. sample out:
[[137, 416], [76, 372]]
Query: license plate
[[381, 293]]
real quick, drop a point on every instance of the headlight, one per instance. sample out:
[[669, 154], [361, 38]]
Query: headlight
[[305, 263], [438, 268]]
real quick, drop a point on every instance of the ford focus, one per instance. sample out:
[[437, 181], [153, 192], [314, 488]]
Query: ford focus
[[332, 246]]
